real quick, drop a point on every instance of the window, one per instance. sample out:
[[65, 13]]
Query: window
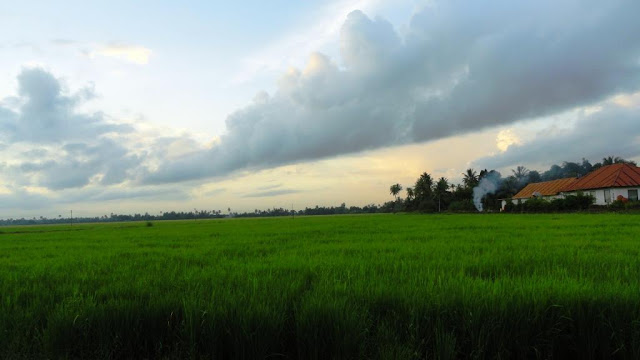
[[607, 195], [633, 195]]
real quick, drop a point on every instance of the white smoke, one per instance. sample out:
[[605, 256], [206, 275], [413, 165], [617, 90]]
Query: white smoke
[[488, 185]]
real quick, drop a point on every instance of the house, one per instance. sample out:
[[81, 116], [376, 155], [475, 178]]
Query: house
[[547, 190], [607, 183]]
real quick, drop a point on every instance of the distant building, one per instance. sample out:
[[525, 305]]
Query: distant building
[[547, 190], [605, 184]]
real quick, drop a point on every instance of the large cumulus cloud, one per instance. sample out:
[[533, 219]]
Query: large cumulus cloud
[[66, 148], [462, 66]]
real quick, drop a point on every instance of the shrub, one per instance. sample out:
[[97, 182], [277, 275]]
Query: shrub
[[617, 205], [508, 206], [632, 205], [536, 205], [462, 206]]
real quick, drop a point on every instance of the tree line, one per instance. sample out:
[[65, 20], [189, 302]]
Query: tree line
[[436, 195], [425, 195]]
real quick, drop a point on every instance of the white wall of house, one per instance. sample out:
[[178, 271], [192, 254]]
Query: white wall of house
[[601, 194], [598, 194], [623, 191]]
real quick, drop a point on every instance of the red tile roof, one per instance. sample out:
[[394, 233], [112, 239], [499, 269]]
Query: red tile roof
[[616, 175], [546, 188]]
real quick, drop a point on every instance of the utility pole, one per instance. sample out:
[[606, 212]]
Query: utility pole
[[71, 217]]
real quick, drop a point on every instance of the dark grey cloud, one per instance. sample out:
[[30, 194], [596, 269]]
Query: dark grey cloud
[[75, 164], [461, 67], [613, 131], [271, 193]]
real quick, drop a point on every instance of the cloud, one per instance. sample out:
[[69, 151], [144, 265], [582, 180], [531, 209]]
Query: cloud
[[506, 138], [64, 147], [20, 199], [612, 131], [64, 42], [460, 67], [271, 193], [47, 115], [130, 53], [269, 187]]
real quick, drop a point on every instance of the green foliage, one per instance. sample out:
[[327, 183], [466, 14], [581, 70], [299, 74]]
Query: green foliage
[[624, 205], [376, 286], [632, 205], [462, 206], [576, 202], [395, 190]]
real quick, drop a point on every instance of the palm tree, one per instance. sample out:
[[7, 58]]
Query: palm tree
[[470, 178], [410, 194], [520, 173], [441, 188], [395, 190], [609, 160], [422, 189]]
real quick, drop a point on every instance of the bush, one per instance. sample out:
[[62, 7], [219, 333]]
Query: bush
[[508, 207], [462, 206], [632, 205], [149, 224], [537, 205], [617, 205]]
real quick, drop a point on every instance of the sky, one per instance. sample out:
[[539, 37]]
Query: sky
[[147, 106]]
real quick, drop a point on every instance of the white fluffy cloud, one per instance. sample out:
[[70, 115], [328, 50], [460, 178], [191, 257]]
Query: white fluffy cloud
[[461, 67], [65, 148]]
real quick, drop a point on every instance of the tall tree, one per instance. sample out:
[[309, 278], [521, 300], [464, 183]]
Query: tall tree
[[441, 189], [410, 194], [586, 166], [572, 169], [520, 173], [609, 160], [395, 190], [470, 178], [423, 192], [423, 186], [534, 176], [511, 185]]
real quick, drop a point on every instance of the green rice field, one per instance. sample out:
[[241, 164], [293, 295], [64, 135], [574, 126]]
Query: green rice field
[[349, 287]]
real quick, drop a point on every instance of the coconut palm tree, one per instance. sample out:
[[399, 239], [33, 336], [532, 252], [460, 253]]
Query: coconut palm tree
[[520, 173], [441, 189], [470, 178], [395, 190], [410, 194]]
